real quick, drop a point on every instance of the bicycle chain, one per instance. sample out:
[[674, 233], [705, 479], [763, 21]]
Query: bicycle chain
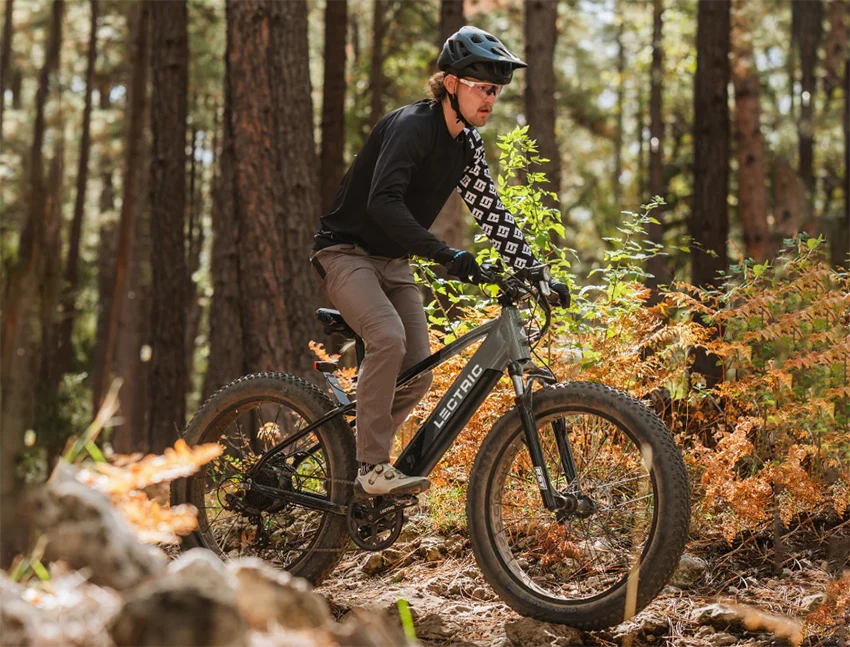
[[330, 550]]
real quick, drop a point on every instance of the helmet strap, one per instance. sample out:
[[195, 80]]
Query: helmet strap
[[456, 106]]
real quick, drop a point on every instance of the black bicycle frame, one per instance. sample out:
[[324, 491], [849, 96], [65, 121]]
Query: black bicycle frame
[[504, 346]]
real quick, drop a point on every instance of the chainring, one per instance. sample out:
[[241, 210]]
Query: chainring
[[375, 524]]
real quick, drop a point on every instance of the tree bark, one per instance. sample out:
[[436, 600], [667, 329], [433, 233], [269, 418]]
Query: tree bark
[[69, 296], [657, 266], [49, 284], [709, 222], [541, 17], [5, 57], [752, 191], [225, 360], [137, 97], [333, 101], [258, 199], [169, 103], [18, 350], [836, 47], [194, 244], [451, 19], [806, 25], [376, 76], [841, 255], [618, 138], [298, 182]]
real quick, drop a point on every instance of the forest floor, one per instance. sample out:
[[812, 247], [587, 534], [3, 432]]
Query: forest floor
[[717, 593]]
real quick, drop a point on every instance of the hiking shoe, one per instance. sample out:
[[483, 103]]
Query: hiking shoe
[[385, 480]]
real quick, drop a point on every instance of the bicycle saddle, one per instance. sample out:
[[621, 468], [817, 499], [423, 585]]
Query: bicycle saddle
[[334, 323]]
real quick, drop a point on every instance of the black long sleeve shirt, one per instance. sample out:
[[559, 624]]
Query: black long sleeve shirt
[[402, 177]]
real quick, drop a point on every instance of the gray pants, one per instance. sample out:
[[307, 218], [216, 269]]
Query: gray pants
[[378, 297]]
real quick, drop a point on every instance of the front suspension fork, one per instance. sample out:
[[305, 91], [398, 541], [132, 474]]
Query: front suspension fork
[[552, 499]]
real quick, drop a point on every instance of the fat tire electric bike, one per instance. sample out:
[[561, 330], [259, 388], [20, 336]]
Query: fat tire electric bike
[[577, 503]]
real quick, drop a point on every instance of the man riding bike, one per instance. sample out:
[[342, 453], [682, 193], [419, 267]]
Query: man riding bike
[[392, 193]]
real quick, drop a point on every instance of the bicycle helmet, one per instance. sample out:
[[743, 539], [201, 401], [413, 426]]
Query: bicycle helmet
[[474, 52]]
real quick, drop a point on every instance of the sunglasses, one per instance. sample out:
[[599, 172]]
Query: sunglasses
[[482, 88]]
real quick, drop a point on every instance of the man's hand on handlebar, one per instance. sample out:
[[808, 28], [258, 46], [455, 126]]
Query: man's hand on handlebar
[[560, 294], [462, 264]]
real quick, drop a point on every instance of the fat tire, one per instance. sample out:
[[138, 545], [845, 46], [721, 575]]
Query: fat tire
[[672, 505], [338, 444]]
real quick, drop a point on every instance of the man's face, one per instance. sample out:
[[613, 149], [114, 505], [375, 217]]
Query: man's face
[[476, 101]]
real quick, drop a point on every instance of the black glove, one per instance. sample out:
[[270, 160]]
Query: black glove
[[461, 264], [560, 292]]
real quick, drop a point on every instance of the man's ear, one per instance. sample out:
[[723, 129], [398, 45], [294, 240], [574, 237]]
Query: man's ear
[[450, 83]]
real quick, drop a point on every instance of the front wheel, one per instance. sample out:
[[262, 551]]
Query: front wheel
[[602, 563]]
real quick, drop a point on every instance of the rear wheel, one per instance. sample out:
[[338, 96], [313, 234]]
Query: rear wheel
[[603, 562], [247, 417]]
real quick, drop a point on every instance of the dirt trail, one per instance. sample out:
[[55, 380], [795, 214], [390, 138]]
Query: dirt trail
[[714, 596]]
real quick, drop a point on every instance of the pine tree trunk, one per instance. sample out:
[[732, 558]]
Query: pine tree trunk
[[5, 57], [807, 16], [836, 47], [106, 250], [840, 256], [19, 337], [618, 137], [194, 244], [449, 225], [541, 17], [169, 103], [258, 200], [333, 101], [752, 191], [69, 308], [709, 222], [376, 78], [225, 360], [298, 181], [451, 19], [48, 293], [658, 265], [137, 97]]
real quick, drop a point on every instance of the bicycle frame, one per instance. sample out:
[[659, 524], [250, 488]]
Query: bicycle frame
[[504, 346]]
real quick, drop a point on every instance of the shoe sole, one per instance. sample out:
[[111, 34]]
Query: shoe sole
[[360, 493]]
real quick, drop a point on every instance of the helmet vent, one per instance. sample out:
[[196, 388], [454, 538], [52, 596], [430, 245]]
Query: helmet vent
[[492, 38], [475, 38]]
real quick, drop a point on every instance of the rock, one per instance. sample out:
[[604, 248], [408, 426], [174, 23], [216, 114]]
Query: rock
[[373, 564], [690, 569], [203, 569], [368, 629], [812, 602], [722, 640], [646, 623], [482, 593], [434, 626], [718, 615], [532, 633], [83, 529], [19, 622], [432, 549], [176, 613], [704, 632], [266, 595]]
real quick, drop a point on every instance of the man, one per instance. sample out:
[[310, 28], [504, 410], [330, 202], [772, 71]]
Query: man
[[410, 163]]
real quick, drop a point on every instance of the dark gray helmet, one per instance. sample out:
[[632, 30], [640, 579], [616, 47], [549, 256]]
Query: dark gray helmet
[[474, 52]]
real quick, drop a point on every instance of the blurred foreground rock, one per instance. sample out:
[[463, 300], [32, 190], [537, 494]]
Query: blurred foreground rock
[[127, 593]]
